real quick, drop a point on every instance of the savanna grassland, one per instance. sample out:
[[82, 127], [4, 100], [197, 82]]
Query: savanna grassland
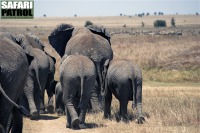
[[170, 64]]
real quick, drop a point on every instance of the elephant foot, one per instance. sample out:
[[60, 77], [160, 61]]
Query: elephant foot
[[75, 124], [50, 109], [34, 115], [140, 120], [60, 112], [82, 126], [68, 125], [42, 111]]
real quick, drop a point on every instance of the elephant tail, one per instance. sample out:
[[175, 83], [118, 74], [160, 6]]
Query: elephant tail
[[82, 85], [134, 93], [20, 108], [37, 74]]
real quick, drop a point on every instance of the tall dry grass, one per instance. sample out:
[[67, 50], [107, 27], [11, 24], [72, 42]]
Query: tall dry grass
[[170, 110]]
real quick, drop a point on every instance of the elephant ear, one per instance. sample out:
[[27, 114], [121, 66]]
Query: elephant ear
[[60, 36], [100, 30]]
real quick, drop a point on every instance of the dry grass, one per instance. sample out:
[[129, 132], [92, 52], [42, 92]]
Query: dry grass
[[170, 109]]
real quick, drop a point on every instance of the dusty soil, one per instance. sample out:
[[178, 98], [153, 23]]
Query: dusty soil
[[52, 123]]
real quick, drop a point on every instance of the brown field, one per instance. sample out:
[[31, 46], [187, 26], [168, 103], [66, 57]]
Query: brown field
[[171, 69]]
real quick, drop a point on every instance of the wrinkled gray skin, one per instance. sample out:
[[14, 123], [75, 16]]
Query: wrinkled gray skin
[[77, 79], [60, 107], [14, 66], [93, 42], [37, 43], [124, 81], [37, 75]]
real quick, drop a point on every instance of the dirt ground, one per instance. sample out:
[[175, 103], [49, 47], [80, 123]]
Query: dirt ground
[[52, 123]]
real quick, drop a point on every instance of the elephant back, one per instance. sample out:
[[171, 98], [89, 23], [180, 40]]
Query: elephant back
[[88, 44], [120, 70], [77, 66], [12, 56]]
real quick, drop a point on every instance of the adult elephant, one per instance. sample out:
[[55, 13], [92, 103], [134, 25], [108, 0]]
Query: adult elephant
[[35, 42], [37, 75], [124, 80], [93, 42], [77, 79], [14, 66]]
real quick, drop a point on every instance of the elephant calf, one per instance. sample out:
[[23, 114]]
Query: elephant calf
[[77, 79], [124, 80]]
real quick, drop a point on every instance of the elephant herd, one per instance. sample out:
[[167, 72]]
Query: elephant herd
[[88, 77]]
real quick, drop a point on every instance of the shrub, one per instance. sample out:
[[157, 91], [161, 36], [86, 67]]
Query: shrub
[[160, 23], [173, 22], [88, 23]]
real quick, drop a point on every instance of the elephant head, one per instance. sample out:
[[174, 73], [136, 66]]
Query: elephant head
[[34, 41]]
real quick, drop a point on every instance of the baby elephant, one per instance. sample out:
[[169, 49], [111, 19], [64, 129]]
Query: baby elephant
[[77, 79], [124, 81]]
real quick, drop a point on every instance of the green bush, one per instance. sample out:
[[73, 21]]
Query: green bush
[[173, 22], [160, 23], [88, 23]]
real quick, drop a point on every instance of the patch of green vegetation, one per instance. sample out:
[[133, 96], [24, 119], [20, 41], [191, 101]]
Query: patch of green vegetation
[[172, 76]]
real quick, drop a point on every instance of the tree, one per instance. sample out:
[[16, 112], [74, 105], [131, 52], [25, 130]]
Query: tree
[[88, 23], [160, 23], [155, 13], [197, 13], [75, 15], [143, 24], [44, 15], [173, 22], [121, 14], [147, 14]]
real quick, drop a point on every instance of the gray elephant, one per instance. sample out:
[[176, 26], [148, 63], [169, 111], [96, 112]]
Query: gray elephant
[[77, 79], [14, 66], [37, 77], [35, 42], [92, 41], [124, 81]]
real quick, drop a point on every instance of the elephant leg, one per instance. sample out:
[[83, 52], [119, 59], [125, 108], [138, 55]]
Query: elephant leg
[[123, 99], [95, 104], [42, 107], [123, 110], [107, 103], [73, 113], [68, 125], [140, 119], [50, 105], [17, 123], [29, 93]]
